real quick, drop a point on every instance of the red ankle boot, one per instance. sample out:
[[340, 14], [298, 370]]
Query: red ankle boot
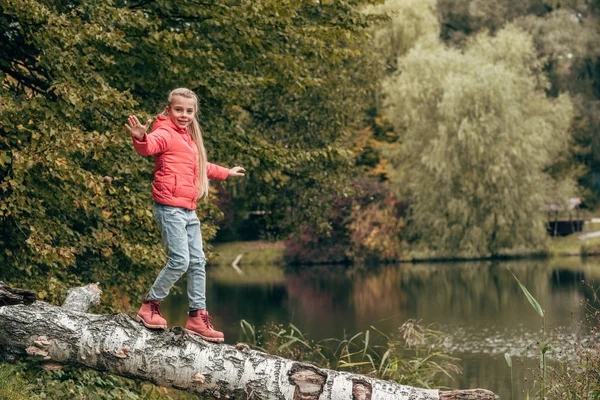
[[198, 323], [149, 315]]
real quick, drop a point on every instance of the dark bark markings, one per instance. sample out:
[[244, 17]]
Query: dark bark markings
[[260, 380], [329, 387], [10, 296], [471, 394], [309, 381], [361, 390], [277, 375]]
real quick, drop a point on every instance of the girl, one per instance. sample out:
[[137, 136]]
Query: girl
[[181, 175]]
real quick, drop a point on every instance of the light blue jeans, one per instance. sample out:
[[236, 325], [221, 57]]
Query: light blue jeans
[[180, 231]]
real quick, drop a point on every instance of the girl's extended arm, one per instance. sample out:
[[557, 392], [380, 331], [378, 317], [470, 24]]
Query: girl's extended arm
[[144, 144], [216, 172]]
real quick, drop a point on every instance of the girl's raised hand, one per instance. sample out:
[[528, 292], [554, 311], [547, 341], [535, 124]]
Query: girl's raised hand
[[236, 171], [136, 128]]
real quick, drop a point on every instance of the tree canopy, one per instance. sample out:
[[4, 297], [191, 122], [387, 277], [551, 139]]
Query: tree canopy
[[566, 36], [279, 81], [478, 133]]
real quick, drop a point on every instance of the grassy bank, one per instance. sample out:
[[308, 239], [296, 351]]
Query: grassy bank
[[260, 262], [264, 258], [253, 253], [572, 245], [12, 385]]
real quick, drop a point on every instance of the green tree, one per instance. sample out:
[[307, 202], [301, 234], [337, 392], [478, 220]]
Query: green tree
[[461, 18], [478, 133], [278, 80], [568, 40], [566, 37], [409, 22]]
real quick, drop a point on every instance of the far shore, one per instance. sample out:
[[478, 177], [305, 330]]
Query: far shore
[[272, 253]]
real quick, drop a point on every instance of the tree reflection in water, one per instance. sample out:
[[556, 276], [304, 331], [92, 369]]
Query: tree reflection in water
[[478, 304]]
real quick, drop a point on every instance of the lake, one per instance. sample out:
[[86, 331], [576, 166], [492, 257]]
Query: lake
[[478, 305]]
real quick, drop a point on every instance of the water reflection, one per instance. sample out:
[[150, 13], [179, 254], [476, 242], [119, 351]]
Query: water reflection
[[479, 304]]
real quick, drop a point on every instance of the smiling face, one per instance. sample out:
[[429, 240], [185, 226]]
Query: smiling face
[[182, 111]]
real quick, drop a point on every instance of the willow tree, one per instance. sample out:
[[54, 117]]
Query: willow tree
[[477, 133], [566, 37], [409, 21]]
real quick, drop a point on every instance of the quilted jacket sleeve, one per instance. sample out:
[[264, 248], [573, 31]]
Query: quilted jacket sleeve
[[216, 172], [156, 142]]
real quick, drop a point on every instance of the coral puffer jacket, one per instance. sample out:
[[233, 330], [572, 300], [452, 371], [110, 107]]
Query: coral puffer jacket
[[175, 164]]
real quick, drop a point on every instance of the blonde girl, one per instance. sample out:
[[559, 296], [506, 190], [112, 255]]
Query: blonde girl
[[181, 175]]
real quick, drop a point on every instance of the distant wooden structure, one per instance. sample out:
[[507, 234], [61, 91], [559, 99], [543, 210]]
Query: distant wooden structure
[[560, 224]]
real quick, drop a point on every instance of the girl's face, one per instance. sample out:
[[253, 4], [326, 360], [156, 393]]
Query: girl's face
[[181, 111]]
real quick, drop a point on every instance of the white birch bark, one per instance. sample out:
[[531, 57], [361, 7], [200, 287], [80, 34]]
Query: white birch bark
[[118, 344]]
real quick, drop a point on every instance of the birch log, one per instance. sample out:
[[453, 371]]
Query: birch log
[[118, 344]]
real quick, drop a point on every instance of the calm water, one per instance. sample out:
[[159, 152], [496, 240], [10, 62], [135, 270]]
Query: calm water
[[479, 305]]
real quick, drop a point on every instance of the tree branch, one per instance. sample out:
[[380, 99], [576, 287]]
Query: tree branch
[[82, 298], [10, 296]]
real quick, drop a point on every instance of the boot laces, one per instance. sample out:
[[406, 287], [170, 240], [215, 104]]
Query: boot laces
[[206, 318], [155, 309]]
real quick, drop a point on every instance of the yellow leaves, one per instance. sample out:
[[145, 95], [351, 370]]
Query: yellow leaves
[[362, 138], [66, 252], [81, 204], [4, 158], [376, 230], [96, 186], [380, 170], [41, 242]]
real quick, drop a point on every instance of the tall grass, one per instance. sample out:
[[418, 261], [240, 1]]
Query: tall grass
[[577, 378], [580, 378], [543, 344], [415, 355]]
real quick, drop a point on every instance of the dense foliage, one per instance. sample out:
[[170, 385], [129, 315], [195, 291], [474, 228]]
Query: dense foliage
[[278, 80], [366, 228], [27, 381]]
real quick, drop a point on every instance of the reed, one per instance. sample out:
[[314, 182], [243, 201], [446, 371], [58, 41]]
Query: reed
[[415, 355], [577, 378]]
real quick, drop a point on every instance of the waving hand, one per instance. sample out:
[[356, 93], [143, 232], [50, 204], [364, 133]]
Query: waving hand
[[136, 128]]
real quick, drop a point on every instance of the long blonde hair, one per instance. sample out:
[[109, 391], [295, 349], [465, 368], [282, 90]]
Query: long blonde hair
[[196, 134]]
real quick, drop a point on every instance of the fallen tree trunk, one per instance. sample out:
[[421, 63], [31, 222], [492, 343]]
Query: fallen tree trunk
[[119, 345]]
